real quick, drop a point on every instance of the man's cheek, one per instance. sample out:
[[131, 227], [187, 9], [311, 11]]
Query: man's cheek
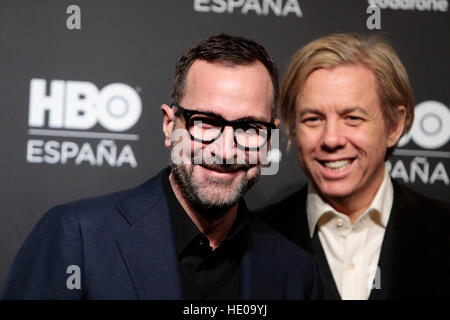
[[181, 147], [304, 163], [203, 154], [179, 154]]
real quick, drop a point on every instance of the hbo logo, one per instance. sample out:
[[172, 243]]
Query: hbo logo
[[80, 105], [431, 127]]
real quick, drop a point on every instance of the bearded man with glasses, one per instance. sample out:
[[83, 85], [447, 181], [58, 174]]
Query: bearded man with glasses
[[185, 233]]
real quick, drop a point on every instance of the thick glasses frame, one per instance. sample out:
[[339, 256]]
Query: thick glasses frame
[[235, 124]]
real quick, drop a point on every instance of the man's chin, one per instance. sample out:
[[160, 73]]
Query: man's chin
[[214, 207], [214, 190], [335, 192], [214, 201]]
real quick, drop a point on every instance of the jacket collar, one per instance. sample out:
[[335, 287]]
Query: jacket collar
[[260, 280], [379, 209], [148, 247]]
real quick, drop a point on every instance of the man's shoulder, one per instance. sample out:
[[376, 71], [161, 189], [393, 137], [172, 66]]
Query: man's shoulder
[[419, 205], [100, 209], [282, 247], [286, 210], [278, 254], [293, 199]]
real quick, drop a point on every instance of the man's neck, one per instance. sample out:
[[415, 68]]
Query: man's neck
[[215, 229], [355, 205]]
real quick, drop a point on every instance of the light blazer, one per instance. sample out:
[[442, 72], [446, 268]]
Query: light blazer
[[124, 246], [415, 253]]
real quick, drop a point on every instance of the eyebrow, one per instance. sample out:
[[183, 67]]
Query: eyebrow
[[252, 119], [305, 110], [239, 119], [351, 109], [345, 110]]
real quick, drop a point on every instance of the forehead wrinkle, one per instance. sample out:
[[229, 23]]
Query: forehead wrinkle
[[355, 108], [340, 110], [308, 109]]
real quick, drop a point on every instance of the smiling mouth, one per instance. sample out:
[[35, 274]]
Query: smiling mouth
[[225, 168], [337, 165]]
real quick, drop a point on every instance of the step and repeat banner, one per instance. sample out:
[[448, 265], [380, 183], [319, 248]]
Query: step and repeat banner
[[82, 83]]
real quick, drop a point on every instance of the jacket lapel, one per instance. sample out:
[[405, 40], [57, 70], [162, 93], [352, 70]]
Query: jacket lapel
[[148, 247], [259, 278], [385, 260], [314, 246], [330, 290]]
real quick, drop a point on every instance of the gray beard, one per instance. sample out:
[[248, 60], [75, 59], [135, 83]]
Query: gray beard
[[207, 198]]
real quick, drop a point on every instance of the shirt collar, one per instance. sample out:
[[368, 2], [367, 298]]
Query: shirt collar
[[378, 211]]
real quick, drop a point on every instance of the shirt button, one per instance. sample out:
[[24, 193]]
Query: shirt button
[[340, 223], [351, 266], [202, 243]]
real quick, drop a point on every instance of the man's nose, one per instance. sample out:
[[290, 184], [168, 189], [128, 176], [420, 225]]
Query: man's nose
[[333, 136], [225, 147]]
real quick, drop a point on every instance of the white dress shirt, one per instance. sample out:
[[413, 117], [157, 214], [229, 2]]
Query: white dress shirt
[[352, 252]]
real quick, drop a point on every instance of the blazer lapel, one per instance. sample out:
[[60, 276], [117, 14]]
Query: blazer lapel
[[258, 280], [314, 246], [404, 249], [385, 261], [148, 247], [330, 290]]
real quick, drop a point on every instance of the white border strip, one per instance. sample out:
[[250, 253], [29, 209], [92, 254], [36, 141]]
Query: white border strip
[[82, 134], [421, 153]]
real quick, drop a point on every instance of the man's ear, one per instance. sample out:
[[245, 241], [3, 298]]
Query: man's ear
[[396, 130], [277, 122], [168, 122]]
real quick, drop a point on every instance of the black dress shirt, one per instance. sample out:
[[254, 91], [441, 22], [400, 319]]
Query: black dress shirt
[[206, 273]]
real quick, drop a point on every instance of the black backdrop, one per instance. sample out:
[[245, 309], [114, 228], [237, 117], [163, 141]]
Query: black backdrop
[[48, 157]]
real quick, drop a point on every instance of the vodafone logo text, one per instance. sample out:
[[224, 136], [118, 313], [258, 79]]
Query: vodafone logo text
[[420, 5]]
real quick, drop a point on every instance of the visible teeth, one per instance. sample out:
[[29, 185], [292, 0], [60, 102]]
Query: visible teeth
[[337, 165]]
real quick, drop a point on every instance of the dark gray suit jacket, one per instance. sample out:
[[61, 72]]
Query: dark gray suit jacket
[[124, 246], [415, 254]]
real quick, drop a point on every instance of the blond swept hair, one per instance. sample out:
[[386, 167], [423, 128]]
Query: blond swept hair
[[393, 87]]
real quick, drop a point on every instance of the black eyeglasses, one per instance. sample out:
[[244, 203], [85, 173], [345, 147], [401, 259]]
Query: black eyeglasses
[[206, 127]]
